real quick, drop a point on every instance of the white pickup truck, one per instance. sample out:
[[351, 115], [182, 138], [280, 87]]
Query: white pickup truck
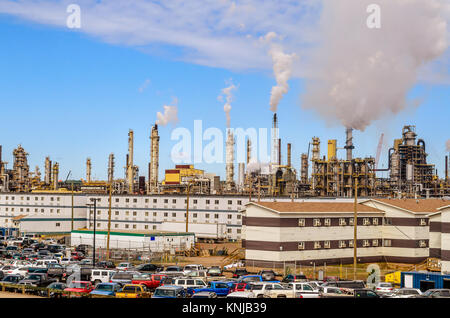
[[303, 290], [272, 290]]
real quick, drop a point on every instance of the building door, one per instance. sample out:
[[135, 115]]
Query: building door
[[425, 285]]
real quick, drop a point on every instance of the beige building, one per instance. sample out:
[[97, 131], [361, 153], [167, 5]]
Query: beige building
[[440, 236], [306, 233]]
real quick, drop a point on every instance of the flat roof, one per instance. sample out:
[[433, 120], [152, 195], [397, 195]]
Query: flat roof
[[134, 233], [294, 207], [416, 205]]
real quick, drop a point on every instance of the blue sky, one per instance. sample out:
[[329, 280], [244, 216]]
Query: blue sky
[[70, 95]]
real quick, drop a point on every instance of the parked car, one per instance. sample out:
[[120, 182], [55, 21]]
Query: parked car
[[238, 272], [192, 267], [151, 281], [214, 271], [303, 290], [403, 293], [101, 276], [383, 287], [123, 278], [52, 290], [133, 291], [12, 279], [205, 294], [77, 255], [81, 287], [124, 266], [105, 264], [37, 280], [349, 284], [435, 293], [219, 288], [148, 268], [254, 278], [348, 293], [267, 275], [189, 283], [238, 287], [243, 294], [169, 291], [106, 289], [272, 290], [173, 271], [291, 278]]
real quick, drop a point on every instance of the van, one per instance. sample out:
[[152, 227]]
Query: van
[[349, 284], [192, 267]]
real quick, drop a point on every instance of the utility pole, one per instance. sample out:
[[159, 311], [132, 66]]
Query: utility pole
[[355, 229], [187, 205], [72, 208], [109, 222]]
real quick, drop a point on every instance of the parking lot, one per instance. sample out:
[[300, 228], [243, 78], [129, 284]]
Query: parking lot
[[37, 267]]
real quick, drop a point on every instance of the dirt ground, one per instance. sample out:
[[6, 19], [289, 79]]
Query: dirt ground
[[16, 295]]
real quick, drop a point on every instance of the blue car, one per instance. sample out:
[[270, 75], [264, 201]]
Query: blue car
[[169, 291], [218, 287], [254, 278], [106, 289]]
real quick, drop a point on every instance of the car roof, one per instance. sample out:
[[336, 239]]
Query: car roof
[[170, 287]]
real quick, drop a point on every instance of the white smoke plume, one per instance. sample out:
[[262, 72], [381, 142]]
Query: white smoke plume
[[364, 74], [227, 91], [170, 114], [447, 145], [282, 69]]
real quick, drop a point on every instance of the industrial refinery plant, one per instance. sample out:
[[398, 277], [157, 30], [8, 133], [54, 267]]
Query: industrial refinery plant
[[410, 175]]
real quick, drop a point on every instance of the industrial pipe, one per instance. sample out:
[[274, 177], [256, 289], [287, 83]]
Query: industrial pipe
[[389, 161]]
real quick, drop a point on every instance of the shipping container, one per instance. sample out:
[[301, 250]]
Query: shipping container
[[424, 280]]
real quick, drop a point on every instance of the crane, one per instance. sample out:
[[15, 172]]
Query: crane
[[380, 145]]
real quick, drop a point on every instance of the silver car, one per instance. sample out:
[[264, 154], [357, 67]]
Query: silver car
[[404, 293], [382, 288]]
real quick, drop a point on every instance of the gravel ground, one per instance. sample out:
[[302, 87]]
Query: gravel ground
[[16, 295]]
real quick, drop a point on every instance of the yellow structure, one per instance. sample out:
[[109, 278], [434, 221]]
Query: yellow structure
[[332, 149], [180, 174]]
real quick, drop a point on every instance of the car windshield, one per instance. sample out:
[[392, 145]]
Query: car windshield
[[34, 276], [104, 287], [385, 285], [77, 285], [164, 292], [141, 276], [256, 287]]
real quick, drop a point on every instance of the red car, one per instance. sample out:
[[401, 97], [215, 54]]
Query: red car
[[80, 287], [151, 281], [78, 256], [238, 287]]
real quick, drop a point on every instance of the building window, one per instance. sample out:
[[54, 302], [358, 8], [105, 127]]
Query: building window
[[155, 200], [342, 222], [351, 221], [195, 201], [207, 201], [301, 245], [174, 215], [238, 216], [166, 214], [117, 212], [317, 245], [154, 213], [366, 221], [58, 224], [366, 243], [375, 221], [327, 222], [238, 231], [166, 200], [387, 221], [194, 215], [216, 216], [127, 226], [230, 216], [317, 222], [422, 243], [387, 243], [229, 231], [342, 244], [146, 213], [326, 244], [135, 200], [239, 202], [127, 200], [117, 200], [134, 226], [216, 201], [350, 243], [207, 215], [374, 242], [423, 222], [134, 213], [301, 222], [146, 227], [230, 202], [116, 225]]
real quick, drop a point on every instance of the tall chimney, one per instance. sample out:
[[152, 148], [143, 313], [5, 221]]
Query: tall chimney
[[55, 176], [48, 171], [279, 151], [446, 168], [289, 155], [249, 150], [349, 143], [130, 168], [304, 168], [154, 160], [111, 168], [88, 170], [230, 160], [275, 150]]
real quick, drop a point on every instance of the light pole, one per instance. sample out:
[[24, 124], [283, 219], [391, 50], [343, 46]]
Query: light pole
[[95, 227]]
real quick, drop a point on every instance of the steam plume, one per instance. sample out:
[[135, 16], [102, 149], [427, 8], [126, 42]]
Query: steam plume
[[170, 114], [447, 144], [365, 74], [227, 91]]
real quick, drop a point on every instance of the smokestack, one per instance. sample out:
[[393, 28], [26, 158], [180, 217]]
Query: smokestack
[[275, 155], [230, 160], [446, 168], [88, 170], [289, 155], [111, 168], [249, 150], [55, 176], [154, 160], [241, 174], [279, 151], [130, 168], [48, 171], [349, 143]]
